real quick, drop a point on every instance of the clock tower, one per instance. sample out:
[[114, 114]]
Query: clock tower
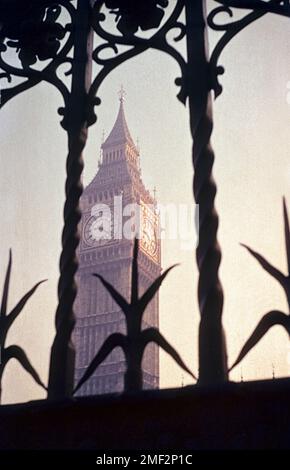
[[115, 207]]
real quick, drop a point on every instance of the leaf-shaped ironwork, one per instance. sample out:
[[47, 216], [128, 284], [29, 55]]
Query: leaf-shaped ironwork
[[32, 29], [113, 341], [274, 317], [6, 320], [152, 335], [129, 18], [135, 342], [6, 286], [274, 272], [15, 352], [151, 291]]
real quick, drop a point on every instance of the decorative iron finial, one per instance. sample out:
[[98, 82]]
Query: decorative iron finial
[[122, 94], [274, 317], [137, 338]]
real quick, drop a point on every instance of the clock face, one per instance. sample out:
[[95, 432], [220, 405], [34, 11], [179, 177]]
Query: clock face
[[97, 230], [149, 237], [149, 224]]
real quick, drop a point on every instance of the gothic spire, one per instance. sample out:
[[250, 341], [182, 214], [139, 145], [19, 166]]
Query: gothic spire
[[120, 133]]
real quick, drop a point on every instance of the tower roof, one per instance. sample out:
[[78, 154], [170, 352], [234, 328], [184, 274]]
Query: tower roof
[[120, 133]]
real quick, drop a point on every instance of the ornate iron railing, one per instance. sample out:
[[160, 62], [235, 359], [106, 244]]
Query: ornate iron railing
[[32, 27]]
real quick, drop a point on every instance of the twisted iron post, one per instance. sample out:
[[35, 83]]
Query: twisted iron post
[[61, 374], [212, 347]]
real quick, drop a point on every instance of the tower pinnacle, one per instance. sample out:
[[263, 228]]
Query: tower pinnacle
[[122, 94], [120, 133]]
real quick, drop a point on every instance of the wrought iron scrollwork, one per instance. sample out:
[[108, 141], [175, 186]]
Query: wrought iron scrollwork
[[279, 7], [42, 43], [32, 29], [232, 28], [129, 19], [35, 36]]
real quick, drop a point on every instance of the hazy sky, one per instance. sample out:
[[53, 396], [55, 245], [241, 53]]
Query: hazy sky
[[251, 142]]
